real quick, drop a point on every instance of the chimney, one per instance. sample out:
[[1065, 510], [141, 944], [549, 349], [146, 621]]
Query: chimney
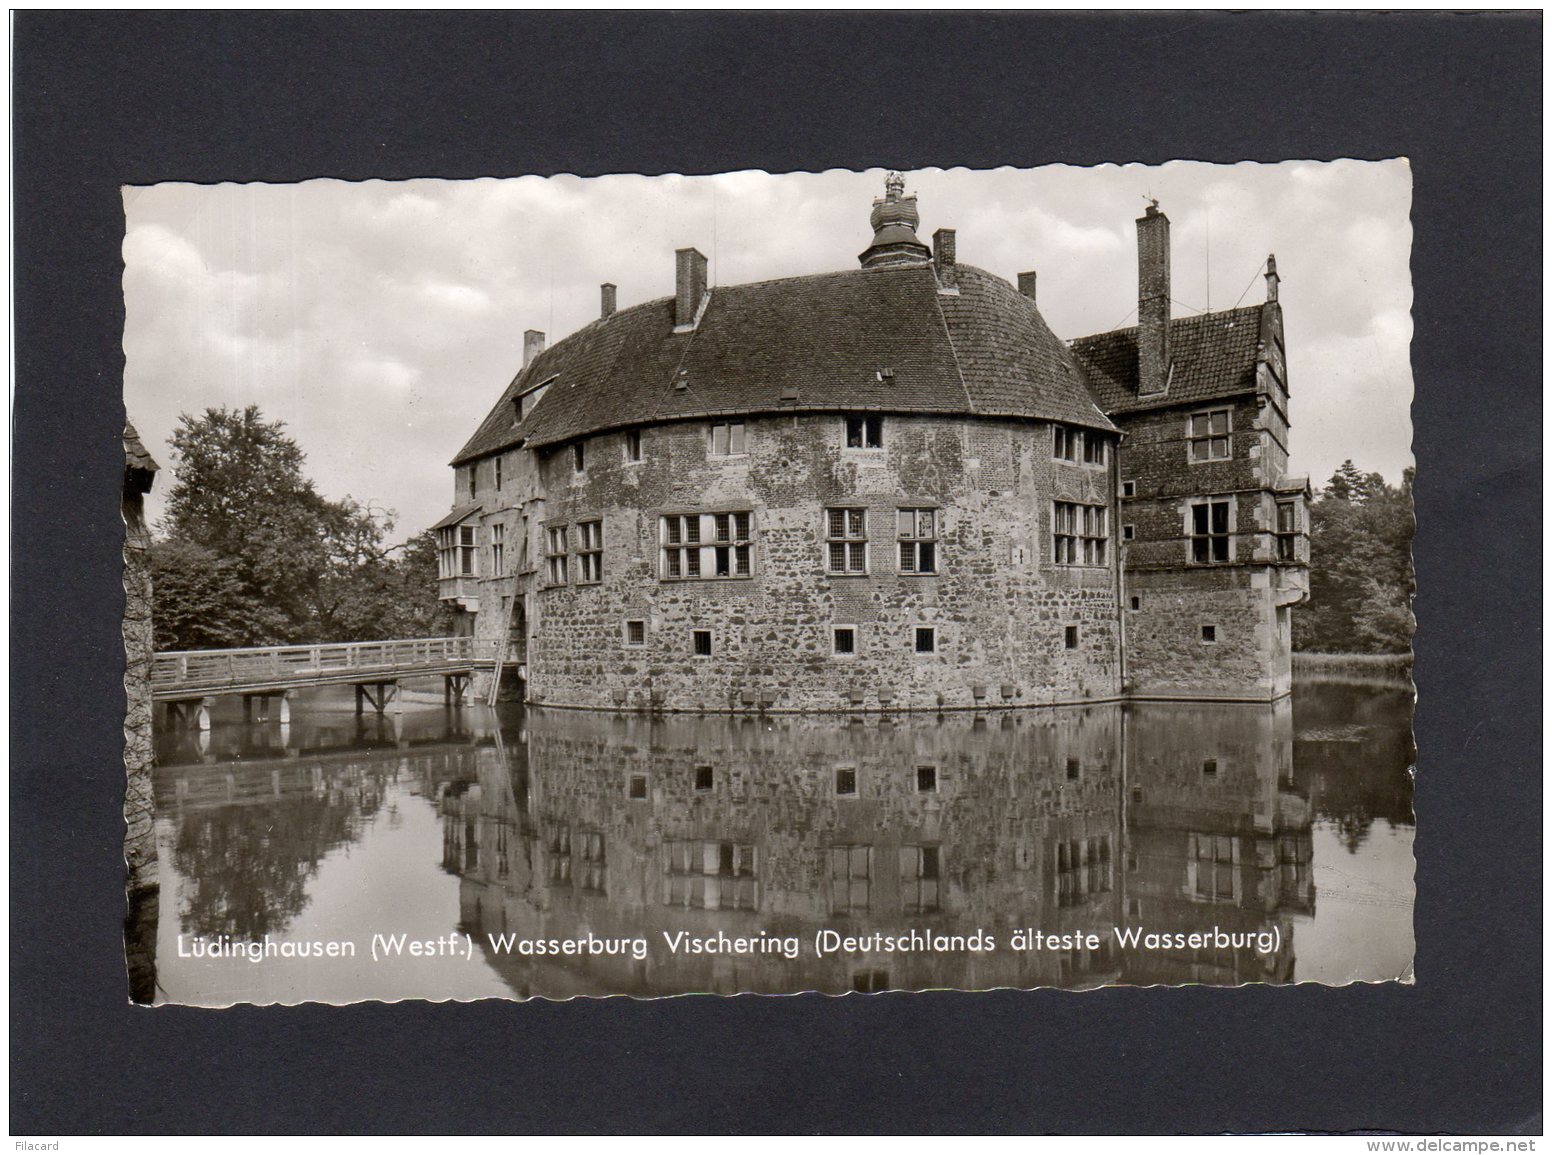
[[943, 259], [689, 287], [606, 297], [1027, 285], [1272, 279], [1152, 301], [533, 345]]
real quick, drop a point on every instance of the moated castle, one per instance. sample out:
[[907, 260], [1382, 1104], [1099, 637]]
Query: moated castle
[[886, 488]]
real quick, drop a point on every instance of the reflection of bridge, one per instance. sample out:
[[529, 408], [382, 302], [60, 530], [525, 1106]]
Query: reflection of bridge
[[187, 680]]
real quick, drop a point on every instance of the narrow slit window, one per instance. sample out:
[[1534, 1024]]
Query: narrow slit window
[[1070, 637], [632, 446], [579, 458]]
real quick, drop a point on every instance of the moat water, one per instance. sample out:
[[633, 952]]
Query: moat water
[[510, 853]]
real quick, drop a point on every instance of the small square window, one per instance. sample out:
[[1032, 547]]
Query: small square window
[[926, 639], [1210, 768], [846, 781], [705, 778], [1136, 603], [702, 643], [636, 632], [1071, 637], [1074, 769], [845, 640], [1128, 532], [1209, 634], [927, 779], [633, 445], [636, 788], [1128, 489]]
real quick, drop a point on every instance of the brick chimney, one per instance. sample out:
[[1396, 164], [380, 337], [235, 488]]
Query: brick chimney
[[1027, 285], [1152, 301], [943, 259], [533, 345], [689, 287], [606, 299]]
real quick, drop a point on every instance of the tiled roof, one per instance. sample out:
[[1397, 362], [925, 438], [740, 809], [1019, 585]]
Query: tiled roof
[[1213, 355], [135, 454], [803, 344], [462, 513]]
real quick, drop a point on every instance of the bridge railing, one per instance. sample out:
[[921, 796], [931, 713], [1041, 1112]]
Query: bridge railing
[[259, 664]]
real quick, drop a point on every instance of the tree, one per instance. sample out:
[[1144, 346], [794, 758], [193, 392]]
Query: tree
[[1360, 566], [285, 551]]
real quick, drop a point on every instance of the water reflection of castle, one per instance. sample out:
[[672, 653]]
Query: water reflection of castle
[[1173, 817]]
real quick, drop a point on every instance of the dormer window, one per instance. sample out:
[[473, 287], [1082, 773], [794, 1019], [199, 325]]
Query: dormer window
[[864, 433]]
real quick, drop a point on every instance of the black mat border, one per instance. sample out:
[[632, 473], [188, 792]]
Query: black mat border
[[102, 99]]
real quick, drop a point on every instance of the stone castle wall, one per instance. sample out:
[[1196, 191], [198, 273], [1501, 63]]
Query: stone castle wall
[[999, 605]]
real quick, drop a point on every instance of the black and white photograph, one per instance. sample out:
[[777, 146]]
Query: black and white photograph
[[840, 582]]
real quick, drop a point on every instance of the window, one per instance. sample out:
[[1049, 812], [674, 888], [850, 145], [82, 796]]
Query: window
[[636, 787], [1209, 634], [864, 433], [1209, 435], [846, 540], [632, 446], [1210, 768], [1070, 637], [496, 467], [456, 554], [472, 477], [1080, 533], [705, 779], [851, 871], [1210, 532], [467, 565], [709, 875], [701, 640], [706, 545], [590, 551], [555, 554], [918, 541], [926, 779], [498, 549], [1074, 769], [919, 879], [1082, 869], [1213, 865], [1093, 448], [1064, 443], [846, 781], [845, 641], [578, 457], [635, 632], [1128, 489], [1287, 531], [1136, 603], [726, 439], [926, 639], [1128, 532]]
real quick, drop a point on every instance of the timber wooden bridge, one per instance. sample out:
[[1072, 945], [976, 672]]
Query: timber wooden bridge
[[189, 680]]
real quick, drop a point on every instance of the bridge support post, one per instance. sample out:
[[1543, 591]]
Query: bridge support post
[[202, 714], [454, 688]]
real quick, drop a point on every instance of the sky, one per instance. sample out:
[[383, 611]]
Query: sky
[[381, 320]]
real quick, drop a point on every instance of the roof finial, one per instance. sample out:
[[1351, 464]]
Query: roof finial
[[894, 186], [894, 220]]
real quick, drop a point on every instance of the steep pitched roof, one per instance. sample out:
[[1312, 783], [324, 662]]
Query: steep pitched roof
[[1213, 355], [135, 454], [802, 344]]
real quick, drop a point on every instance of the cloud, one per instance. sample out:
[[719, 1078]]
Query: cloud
[[381, 320]]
